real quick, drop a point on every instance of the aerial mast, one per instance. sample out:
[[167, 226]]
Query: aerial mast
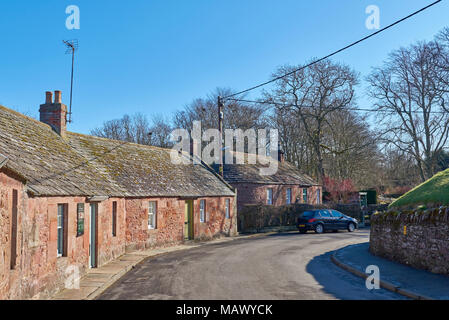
[[72, 46]]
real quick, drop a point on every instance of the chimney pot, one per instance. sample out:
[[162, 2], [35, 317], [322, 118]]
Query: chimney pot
[[58, 97], [54, 114], [48, 97]]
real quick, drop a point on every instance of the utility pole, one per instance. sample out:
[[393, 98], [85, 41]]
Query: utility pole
[[72, 46], [220, 128]]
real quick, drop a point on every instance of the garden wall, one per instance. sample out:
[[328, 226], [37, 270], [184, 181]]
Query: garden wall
[[417, 238]]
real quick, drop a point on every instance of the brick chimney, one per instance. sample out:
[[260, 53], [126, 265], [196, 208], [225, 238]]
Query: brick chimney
[[54, 113]]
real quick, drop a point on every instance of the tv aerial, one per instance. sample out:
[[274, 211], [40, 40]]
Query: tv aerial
[[72, 47]]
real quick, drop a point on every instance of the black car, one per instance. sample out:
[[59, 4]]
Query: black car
[[324, 220]]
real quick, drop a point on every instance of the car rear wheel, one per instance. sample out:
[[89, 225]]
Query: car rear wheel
[[351, 227], [319, 228]]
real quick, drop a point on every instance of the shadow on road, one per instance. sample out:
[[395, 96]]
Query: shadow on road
[[342, 284]]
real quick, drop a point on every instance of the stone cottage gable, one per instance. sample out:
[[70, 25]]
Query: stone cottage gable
[[81, 165]]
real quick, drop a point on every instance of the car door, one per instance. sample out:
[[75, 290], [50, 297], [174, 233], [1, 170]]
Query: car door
[[340, 221], [327, 219]]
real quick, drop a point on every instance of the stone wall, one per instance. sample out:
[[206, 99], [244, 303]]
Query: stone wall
[[216, 224], [417, 238], [256, 194], [109, 247], [170, 221], [39, 271], [9, 279]]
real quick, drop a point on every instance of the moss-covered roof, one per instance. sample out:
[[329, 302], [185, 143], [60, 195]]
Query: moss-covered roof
[[85, 165], [433, 191], [286, 174]]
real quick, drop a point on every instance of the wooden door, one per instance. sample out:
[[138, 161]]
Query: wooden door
[[188, 220]]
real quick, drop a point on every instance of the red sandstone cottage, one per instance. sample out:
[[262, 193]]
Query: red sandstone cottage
[[287, 186], [70, 201]]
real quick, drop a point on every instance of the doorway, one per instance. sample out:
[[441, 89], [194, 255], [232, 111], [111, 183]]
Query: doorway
[[188, 220], [93, 235]]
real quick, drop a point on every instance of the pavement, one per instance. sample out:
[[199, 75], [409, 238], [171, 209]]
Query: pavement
[[396, 277], [96, 281], [280, 266]]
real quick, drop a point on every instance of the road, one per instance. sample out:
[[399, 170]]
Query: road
[[282, 266]]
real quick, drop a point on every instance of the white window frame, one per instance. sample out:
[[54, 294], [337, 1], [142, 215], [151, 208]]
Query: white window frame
[[152, 216], [318, 196], [270, 196], [289, 194], [227, 208], [202, 211]]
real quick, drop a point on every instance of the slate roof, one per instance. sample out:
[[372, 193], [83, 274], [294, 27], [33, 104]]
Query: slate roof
[[287, 174], [82, 165]]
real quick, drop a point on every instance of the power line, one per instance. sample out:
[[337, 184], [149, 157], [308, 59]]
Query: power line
[[333, 53], [341, 108]]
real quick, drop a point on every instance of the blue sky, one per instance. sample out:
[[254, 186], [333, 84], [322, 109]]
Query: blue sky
[[156, 56]]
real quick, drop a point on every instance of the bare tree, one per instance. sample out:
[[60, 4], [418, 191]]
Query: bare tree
[[398, 171], [409, 93], [161, 132], [350, 149], [237, 115], [310, 95], [137, 129]]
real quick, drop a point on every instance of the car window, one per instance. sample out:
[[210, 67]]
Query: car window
[[336, 214], [308, 214], [325, 214]]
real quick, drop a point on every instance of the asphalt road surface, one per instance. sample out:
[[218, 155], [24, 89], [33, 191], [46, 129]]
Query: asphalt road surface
[[282, 266]]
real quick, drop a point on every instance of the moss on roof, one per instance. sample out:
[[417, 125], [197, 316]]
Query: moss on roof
[[85, 165], [286, 174], [433, 191]]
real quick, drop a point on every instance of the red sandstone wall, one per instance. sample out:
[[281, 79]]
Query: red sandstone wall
[[9, 279], [39, 270], [40, 273], [110, 247], [170, 221], [216, 223], [256, 194]]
